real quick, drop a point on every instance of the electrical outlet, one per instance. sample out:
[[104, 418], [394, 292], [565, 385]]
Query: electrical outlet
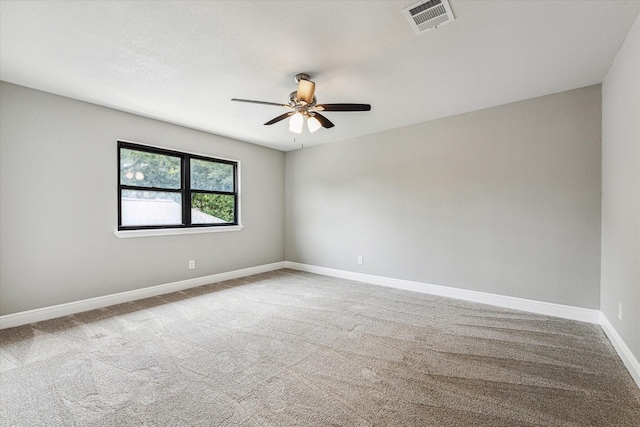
[[359, 260], [620, 310], [192, 264]]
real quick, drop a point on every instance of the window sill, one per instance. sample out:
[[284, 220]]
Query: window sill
[[125, 234]]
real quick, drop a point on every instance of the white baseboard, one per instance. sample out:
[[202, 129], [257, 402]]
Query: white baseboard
[[545, 308], [539, 307], [629, 360], [46, 313]]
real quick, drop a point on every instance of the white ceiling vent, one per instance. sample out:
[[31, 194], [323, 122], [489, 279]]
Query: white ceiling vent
[[428, 14]]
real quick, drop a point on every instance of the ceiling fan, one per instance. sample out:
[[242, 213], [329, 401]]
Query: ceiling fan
[[303, 104]]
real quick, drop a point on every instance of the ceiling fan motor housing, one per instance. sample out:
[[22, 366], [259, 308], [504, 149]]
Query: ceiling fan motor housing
[[294, 101]]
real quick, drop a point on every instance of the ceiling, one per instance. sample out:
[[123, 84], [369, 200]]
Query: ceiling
[[182, 61]]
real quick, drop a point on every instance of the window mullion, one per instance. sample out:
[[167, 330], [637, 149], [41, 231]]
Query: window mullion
[[159, 189], [186, 190]]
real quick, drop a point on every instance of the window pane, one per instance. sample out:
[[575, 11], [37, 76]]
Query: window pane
[[151, 208], [212, 208], [144, 169], [211, 176]]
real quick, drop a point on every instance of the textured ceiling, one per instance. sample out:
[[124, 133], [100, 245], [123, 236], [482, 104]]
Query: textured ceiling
[[182, 61]]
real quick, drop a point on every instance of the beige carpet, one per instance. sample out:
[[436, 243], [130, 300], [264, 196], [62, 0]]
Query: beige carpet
[[290, 348]]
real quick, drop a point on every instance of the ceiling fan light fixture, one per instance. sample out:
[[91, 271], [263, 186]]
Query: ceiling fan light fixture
[[313, 124], [296, 122]]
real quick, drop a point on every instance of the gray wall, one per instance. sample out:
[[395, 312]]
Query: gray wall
[[621, 192], [58, 203], [504, 200]]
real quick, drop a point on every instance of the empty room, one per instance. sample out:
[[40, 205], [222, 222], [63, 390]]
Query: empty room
[[320, 213]]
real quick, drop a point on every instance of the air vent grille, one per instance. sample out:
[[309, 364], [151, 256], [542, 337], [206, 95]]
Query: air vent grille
[[423, 6], [427, 15]]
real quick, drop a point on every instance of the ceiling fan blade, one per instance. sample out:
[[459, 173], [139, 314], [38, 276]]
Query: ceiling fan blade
[[326, 123], [306, 90], [260, 102], [280, 117], [343, 107]]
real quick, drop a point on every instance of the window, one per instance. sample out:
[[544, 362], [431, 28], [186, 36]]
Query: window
[[159, 188]]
